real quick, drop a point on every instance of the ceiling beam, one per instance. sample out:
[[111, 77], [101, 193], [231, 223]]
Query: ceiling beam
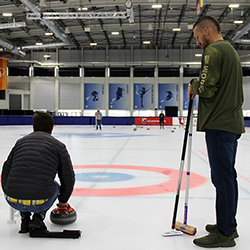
[[158, 28], [164, 23], [123, 38], [104, 32], [122, 31], [243, 28], [183, 10], [226, 11], [140, 31]]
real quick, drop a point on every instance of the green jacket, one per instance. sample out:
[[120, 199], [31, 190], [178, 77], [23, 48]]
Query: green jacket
[[220, 89]]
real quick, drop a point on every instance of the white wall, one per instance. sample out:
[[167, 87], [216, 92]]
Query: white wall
[[43, 94]]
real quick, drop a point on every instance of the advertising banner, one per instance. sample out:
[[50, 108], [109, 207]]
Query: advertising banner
[[143, 96], [152, 121], [3, 73], [94, 96], [168, 95], [118, 96], [174, 121]]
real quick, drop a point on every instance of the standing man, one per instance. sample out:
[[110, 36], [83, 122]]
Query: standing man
[[98, 117], [161, 117], [28, 174], [220, 116]]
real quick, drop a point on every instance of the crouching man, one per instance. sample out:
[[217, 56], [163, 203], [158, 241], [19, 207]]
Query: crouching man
[[28, 174]]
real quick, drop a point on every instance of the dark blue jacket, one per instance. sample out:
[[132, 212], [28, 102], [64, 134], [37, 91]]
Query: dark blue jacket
[[32, 165]]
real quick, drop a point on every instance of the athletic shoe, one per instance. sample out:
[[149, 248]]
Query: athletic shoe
[[215, 240], [24, 226], [213, 228], [37, 223]]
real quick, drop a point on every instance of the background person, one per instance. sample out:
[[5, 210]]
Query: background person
[[28, 174], [220, 116], [161, 117], [98, 116]]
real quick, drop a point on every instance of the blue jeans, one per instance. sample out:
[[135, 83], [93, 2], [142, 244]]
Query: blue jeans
[[98, 123], [25, 211], [222, 147]]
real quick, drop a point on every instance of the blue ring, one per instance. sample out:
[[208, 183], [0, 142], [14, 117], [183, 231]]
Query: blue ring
[[103, 177]]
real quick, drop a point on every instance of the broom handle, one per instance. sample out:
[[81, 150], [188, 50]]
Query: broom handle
[[188, 167], [182, 163]]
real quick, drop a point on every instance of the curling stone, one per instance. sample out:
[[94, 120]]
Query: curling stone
[[114, 126], [148, 128], [63, 216], [135, 129], [172, 130]]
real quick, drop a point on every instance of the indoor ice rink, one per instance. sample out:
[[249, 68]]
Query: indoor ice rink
[[131, 59], [125, 189]]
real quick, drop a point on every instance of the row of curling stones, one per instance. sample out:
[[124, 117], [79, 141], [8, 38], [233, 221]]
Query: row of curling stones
[[63, 216], [134, 129], [173, 130]]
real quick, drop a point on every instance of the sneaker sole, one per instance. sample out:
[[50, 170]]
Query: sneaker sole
[[225, 244]]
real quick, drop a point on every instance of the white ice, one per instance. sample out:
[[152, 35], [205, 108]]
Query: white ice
[[134, 222]]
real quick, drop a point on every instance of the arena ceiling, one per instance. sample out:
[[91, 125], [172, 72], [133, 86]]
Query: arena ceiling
[[79, 23]]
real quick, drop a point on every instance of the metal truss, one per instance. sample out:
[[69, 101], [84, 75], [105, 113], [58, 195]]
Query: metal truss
[[76, 15], [12, 25]]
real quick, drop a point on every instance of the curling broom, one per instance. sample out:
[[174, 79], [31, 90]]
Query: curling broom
[[174, 231], [187, 229]]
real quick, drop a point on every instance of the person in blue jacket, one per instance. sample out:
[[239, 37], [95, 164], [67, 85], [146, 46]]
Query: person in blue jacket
[[28, 174]]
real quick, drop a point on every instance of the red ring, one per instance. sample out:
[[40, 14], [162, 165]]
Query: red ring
[[165, 187]]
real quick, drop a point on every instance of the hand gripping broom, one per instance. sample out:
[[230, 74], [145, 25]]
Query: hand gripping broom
[[180, 228]]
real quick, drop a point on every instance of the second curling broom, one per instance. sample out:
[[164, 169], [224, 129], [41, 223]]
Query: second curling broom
[[178, 228], [184, 227]]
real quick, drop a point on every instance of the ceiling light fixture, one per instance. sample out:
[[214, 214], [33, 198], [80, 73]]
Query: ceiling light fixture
[[39, 44], [198, 55], [82, 8], [146, 42], [6, 14], [233, 5], [46, 56], [176, 29], [115, 33], [238, 21], [48, 33], [93, 44], [87, 29], [156, 6]]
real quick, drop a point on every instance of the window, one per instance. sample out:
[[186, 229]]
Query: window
[[69, 72], [168, 72], [2, 94], [43, 71]]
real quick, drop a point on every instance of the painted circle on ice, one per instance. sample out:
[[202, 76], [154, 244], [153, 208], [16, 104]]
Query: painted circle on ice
[[165, 187], [106, 177]]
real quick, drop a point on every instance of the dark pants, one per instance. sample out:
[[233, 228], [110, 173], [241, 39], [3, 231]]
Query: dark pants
[[98, 123], [25, 211], [222, 147], [161, 123]]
